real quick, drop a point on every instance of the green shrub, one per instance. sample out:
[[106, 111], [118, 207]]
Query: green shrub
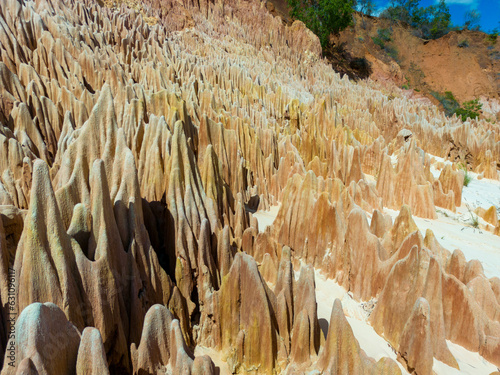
[[385, 34], [430, 22], [463, 44], [451, 106], [383, 37], [470, 110], [467, 178], [392, 52], [472, 20], [492, 38], [473, 220], [323, 17], [379, 42], [448, 101]]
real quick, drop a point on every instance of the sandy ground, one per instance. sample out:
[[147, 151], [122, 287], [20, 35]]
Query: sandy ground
[[479, 193], [266, 218], [377, 347], [470, 363], [327, 291], [221, 367], [454, 230]]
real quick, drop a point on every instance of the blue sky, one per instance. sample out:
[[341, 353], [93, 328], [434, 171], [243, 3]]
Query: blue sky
[[489, 9]]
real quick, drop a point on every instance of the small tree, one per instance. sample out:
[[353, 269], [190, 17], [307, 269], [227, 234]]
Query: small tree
[[471, 20], [429, 22], [366, 7], [323, 17], [441, 20], [402, 10], [470, 110]]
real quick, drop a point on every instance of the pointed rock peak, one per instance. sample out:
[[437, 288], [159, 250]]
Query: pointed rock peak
[[357, 219], [91, 354], [105, 237], [44, 211], [337, 316], [286, 254], [44, 335], [380, 223], [405, 219], [403, 226], [415, 348], [456, 265], [154, 348], [101, 127]]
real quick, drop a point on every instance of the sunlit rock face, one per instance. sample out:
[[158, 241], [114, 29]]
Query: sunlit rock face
[[138, 139]]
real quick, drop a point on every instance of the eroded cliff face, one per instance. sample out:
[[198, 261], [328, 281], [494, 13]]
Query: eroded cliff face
[[463, 62], [136, 140]]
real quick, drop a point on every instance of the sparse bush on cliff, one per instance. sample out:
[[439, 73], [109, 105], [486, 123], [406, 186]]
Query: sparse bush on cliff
[[365, 6], [448, 101], [430, 22], [471, 20], [492, 38], [384, 36], [470, 110], [323, 17]]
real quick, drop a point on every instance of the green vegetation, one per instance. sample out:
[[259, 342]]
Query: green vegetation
[[416, 76], [492, 38], [463, 44], [323, 17], [474, 220], [392, 52], [471, 20], [365, 7], [469, 109], [448, 101], [467, 177], [430, 22], [384, 36]]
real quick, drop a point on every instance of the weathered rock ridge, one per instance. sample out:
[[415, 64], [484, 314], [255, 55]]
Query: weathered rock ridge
[[136, 140]]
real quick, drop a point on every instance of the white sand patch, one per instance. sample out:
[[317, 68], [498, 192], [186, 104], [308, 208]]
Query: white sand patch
[[216, 358], [374, 345], [470, 363], [394, 160], [481, 193], [266, 218], [453, 232], [370, 179], [435, 171]]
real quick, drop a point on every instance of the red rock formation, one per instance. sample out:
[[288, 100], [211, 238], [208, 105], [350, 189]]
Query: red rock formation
[[136, 140], [342, 354]]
